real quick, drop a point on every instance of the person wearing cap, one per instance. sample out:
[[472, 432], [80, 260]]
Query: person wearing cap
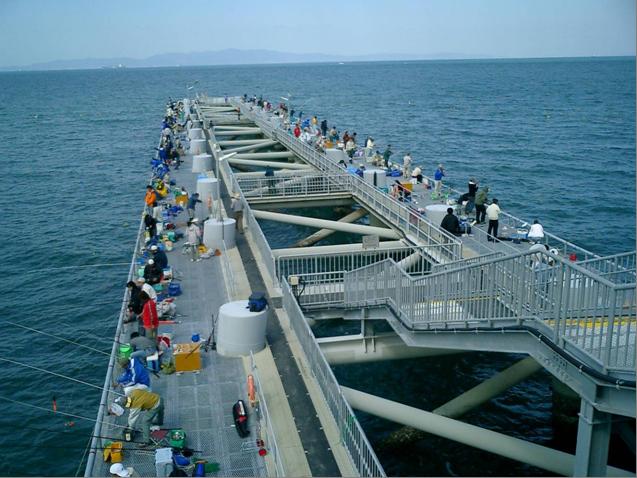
[[141, 282], [134, 375], [118, 469], [150, 318], [153, 273], [193, 236], [237, 210], [145, 407], [192, 204], [159, 256], [151, 197], [493, 213]]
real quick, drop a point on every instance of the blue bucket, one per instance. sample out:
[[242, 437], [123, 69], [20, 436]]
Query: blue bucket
[[174, 289]]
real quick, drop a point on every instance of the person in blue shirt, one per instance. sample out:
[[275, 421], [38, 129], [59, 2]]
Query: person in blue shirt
[[134, 376], [438, 175], [159, 256], [192, 203]]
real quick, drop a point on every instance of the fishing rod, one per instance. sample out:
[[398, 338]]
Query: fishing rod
[[57, 337], [48, 430], [16, 362]]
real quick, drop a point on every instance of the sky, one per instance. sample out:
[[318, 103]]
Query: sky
[[34, 31]]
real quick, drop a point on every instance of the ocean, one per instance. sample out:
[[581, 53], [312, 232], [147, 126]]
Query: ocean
[[553, 138]]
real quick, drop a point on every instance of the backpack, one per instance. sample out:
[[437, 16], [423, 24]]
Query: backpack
[[257, 302]]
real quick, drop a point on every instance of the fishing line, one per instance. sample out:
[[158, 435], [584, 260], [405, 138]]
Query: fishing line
[[37, 407], [86, 449], [57, 337], [57, 375], [107, 264]]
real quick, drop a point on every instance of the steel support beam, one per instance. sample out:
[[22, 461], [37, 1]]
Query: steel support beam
[[489, 389], [323, 233], [324, 223], [593, 437], [273, 164], [349, 349], [493, 442]]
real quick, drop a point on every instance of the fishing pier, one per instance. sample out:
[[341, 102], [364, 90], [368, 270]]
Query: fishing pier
[[412, 290]]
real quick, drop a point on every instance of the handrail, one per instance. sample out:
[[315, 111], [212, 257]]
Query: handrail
[[90, 463], [582, 308], [271, 442]]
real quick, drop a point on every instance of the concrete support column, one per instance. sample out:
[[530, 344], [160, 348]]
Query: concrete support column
[[593, 436]]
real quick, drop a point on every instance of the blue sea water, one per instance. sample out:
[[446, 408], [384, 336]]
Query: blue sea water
[[554, 139]]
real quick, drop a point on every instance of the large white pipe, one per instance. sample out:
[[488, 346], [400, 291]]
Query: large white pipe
[[385, 347], [251, 147], [494, 442], [488, 389], [233, 128], [338, 248], [272, 164], [236, 132], [324, 223], [323, 233], [239, 142], [259, 174], [274, 155]]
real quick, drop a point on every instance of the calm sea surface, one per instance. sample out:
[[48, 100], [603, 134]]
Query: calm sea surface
[[554, 139]]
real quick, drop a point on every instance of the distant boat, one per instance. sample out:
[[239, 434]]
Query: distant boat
[[341, 63]]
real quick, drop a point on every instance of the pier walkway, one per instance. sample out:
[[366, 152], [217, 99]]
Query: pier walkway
[[577, 318]]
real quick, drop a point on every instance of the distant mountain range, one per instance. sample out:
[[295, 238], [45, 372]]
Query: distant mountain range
[[225, 57]]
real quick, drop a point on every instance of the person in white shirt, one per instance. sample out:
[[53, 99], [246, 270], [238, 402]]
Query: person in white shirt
[[536, 232], [493, 213], [407, 165], [141, 282]]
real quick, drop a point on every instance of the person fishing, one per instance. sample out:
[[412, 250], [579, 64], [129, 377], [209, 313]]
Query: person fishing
[[134, 375], [145, 408], [153, 273]]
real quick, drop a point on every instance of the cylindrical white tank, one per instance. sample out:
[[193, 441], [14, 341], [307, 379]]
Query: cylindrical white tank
[[240, 331], [195, 133], [375, 177], [201, 163], [215, 232], [208, 188], [436, 212], [198, 146]]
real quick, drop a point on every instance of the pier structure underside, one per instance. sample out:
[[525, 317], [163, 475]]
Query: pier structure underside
[[408, 289]]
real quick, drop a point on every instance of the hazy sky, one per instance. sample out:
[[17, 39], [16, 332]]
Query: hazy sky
[[42, 30]]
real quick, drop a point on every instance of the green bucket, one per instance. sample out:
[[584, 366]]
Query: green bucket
[[125, 351]]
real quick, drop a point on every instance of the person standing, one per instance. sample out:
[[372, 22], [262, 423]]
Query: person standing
[[193, 236], [481, 201], [324, 128], [471, 195], [150, 319], [407, 165], [369, 147], [438, 175], [151, 198], [192, 204], [150, 224], [493, 213], [387, 154], [237, 209]]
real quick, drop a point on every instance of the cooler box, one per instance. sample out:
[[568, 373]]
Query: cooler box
[[187, 357]]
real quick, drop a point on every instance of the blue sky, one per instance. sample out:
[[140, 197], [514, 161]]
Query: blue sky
[[42, 30]]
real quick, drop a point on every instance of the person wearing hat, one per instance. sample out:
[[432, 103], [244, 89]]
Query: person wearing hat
[[193, 236], [153, 273], [134, 375], [145, 407], [237, 210], [493, 213], [159, 256], [117, 469], [150, 292]]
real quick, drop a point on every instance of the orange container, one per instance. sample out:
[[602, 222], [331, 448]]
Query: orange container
[[187, 357]]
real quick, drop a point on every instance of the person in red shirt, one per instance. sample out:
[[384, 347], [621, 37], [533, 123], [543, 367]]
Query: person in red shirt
[[150, 319], [297, 131]]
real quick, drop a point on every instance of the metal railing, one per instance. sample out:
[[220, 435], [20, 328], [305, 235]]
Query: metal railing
[[581, 308], [271, 443], [294, 185], [231, 290], [352, 436], [416, 260], [618, 268], [465, 262], [390, 209]]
